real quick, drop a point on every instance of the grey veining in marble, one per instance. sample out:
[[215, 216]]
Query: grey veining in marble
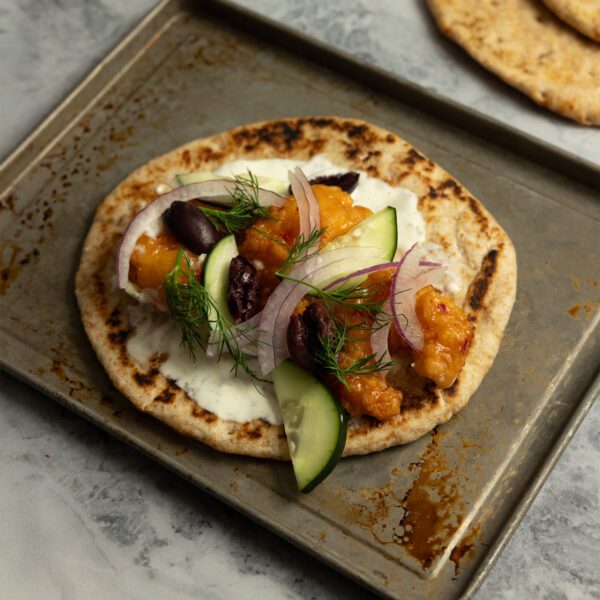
[[83, 516]]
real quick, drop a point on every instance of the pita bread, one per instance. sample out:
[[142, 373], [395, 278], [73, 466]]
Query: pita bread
[[583, 15], [483, 253], [530, 49]]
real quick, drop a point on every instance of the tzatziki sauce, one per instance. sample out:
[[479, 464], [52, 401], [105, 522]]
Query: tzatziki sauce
[[208, 381]]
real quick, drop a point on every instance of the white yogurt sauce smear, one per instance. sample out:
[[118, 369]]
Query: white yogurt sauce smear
[[207, 381], [211, 383]]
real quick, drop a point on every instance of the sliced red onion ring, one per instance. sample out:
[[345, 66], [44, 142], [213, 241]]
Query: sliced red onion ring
[[374, 269], [272, 337], [380, 335], [361, 272], [217, 191], [314, 210], [410, 277], [304, 216], [243, 336]]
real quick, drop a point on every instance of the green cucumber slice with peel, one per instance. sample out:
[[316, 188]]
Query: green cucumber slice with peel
[[380, 230], [314, 421], [215, 275], [273, 185], [198, 177], [267, 183]]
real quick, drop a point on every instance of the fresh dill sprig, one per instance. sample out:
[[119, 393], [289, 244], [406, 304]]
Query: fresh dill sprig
[[327, 355], [187, 304], [278, 241], [356, 297], [299, 251], [245, 208], [196, 312], [302, 249]]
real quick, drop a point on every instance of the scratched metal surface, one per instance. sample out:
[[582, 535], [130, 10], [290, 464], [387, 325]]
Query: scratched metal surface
[[419, 519]]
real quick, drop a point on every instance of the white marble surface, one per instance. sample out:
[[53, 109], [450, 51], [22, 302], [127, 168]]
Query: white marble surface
[[81, 515]]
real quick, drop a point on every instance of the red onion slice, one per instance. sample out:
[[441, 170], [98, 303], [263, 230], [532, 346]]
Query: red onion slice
[[314, 210], [304, 216], [410, 277], [272, 337], [380, 335], [362, 272], [374, 269], [217, 191], [243, 337]]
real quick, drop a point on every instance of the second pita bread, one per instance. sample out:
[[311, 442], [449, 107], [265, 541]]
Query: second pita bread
[[529, 48], [583, 15]]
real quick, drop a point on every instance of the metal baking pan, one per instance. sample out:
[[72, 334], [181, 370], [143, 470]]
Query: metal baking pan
[[188, 71]]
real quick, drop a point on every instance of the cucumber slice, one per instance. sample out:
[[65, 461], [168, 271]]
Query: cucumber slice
[[380, 230], [215, 275], [315, 424], [187, 178], [273, 185], [267, 183]]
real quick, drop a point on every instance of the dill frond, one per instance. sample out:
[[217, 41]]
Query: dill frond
[[302, 249], [196, 312], [328, 357], [357, 297], [245, 209]]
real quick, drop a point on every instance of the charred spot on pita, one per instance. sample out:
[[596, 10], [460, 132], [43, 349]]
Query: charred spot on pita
[[320, 122], [448, 184], [146, 379], [114, 320], [413, 157], [452, 389], [481, 218], [480, 286], [203, 414], [119, 337], [357, 131], [166, 396]]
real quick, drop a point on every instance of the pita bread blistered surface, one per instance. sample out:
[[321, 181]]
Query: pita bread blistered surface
[[481, 250], [583, 15], [529, 48]]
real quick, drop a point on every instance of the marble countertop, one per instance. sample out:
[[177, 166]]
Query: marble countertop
[[85, 516]]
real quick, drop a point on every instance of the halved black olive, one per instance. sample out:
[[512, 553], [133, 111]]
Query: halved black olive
[[304, 335], [346, 181], [190, 227], [244, 288]]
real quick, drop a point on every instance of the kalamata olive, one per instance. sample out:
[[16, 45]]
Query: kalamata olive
[[346, 181], [244, 288], [304, 335], [190, 227]]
